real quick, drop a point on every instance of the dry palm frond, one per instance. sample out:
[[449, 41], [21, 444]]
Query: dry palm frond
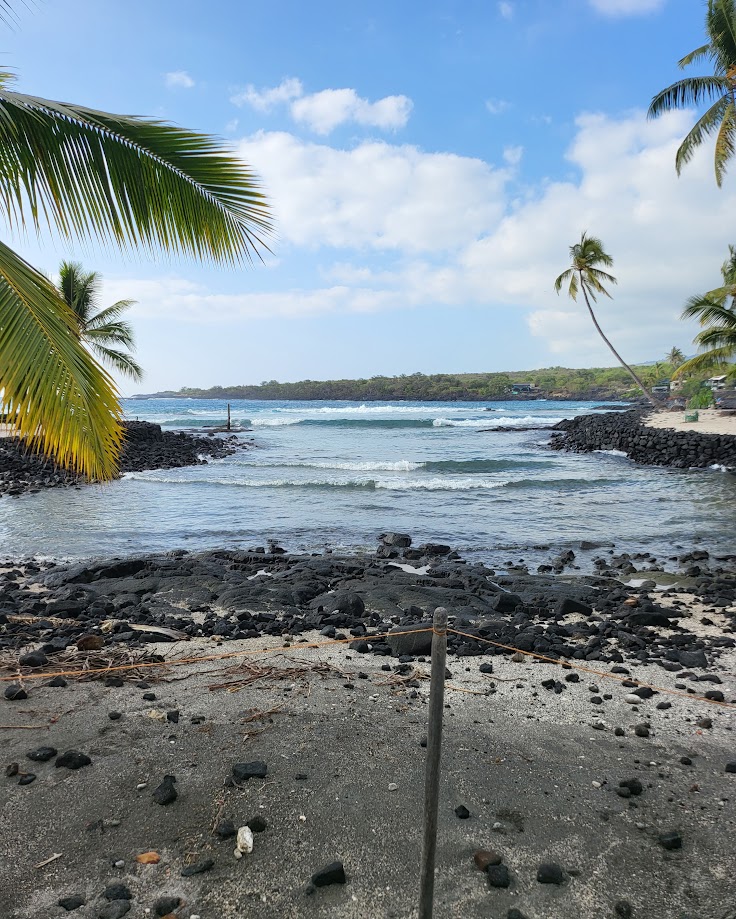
[[84, 666]]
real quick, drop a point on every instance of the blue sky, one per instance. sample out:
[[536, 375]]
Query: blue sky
[[429, 164]]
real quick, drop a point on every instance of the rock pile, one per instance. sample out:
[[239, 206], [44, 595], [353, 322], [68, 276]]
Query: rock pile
[[146, 447], [625, 431]]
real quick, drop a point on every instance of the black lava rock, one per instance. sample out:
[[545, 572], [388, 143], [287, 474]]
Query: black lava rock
[[117, 892], [498, 876], [731, 767], [671, 840], [72, 902], [623, 909], [225, 829], [73, 759], [42, 754], [33, 659], [166, 793], [205, 864], [166, 905], [15, 693], [334, 873], [58, 681], [461, 812], [633, 785], [550, 873], [257, 824], [244, 771]]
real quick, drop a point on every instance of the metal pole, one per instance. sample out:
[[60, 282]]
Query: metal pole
[[434, 749], [228, 416]]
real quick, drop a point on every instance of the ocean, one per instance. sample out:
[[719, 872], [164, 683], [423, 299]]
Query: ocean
[[337, 474]]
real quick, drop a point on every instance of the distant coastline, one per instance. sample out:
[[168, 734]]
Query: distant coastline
[[607, 384]]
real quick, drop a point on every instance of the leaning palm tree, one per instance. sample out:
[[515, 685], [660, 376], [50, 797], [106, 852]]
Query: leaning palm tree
[[584, 274], [716, 313], [129, 181], [718, 88], [102, 330]]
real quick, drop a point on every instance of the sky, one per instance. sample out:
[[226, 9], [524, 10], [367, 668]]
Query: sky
[[428, 165]]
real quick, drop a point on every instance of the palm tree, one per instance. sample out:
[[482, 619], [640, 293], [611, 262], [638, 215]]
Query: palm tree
[[584, 274], [99, 328], [716, 313], [719, 88], [675, 358], [133, 182]]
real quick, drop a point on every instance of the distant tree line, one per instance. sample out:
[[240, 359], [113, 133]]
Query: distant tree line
[[599, 383]]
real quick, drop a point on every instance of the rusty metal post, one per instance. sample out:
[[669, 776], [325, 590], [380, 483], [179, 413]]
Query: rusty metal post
[[434, 750]]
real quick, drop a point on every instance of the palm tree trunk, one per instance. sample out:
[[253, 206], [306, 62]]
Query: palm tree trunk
[[655, 402]]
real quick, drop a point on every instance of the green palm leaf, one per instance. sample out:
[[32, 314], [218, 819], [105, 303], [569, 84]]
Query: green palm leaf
[[705, 125], [128, 180], [54, 394], [124, 363], [684, 93]]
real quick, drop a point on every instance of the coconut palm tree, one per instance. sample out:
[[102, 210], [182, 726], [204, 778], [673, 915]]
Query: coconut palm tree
[[585, 275], [716, 313], [99, 329], [675, 358], [718, 88], [130, 181]]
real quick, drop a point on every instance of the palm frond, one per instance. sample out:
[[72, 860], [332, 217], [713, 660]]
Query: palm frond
[[79, 288], [112, 333], [692, 91], [705, 125], [720, 23], [132, 181], [566, 275], [108, 314], [118, 360], [724, 143], [708, 310], [710, 360], [698, 54], [54, 394]]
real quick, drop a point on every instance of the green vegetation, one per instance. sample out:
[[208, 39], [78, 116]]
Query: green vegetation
[[99, 328], [600, 383], [716, 313], [132, 182], [718, 87], [585, 275]]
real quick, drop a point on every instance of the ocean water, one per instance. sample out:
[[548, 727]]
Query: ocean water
[[337, 474]]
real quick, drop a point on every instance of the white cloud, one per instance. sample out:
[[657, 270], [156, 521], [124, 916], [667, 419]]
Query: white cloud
[[265, 100], [376, 196], [497, 106], [627, 7], [393, 227], [513, 155], [323, 111], [506, 9], [178, 79]]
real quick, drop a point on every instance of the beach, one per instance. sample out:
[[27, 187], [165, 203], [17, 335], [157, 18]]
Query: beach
[[710, 421], [332, 717]]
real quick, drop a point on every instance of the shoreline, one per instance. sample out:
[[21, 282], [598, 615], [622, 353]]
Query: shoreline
[[532, 749]]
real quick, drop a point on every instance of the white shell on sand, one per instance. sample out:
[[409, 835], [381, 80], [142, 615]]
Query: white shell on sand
[[243, 842]]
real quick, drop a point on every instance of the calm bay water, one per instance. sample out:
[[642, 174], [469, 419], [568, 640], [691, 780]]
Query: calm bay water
[[328, 474]]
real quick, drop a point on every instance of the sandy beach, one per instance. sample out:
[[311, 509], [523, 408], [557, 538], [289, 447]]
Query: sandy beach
[[710, 421], [534, 753]]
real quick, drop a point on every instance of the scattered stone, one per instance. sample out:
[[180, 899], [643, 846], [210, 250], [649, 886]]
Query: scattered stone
[[114, 716], [485, 857], [12, 769], [623, 909], [225, 829], [244, 771], [634, 786], [173, 716], [72, 902], [498, 876], [550, 873], [58, 681], [42, 754], [257, 824], [244, 842], [704, 723], [641, 730], [73, 759], [90, 643], [334, 873], [149, 696], [731, 767], [33, 659], [670, 841], [166, 905], [117, 892], [461, 812], [27, 778], [15, 693], [166, 793], [205, 864], [686, 761]]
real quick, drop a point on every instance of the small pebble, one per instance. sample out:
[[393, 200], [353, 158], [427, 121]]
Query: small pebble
[[671, 840], [199, 867], [72, 902], [42, 754], [485, 857], [550, 873], [334, 873], [461, 812], [73, 759], [166, 793], [498, 876], [15, 693]]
